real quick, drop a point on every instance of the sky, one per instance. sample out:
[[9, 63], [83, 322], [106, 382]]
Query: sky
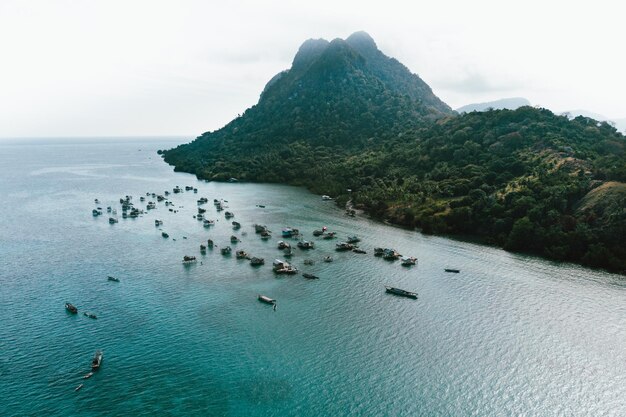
[[151, 67]]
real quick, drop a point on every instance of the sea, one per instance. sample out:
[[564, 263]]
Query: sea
[[510, 335]]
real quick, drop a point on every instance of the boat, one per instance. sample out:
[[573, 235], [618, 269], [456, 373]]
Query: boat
[[289, 232], [288, 252], [265, 235], [79, 387], [165, 235], [201, 210], [379, 251], [110, 278], [391, 254], [408, 260], [401, 292], [151, 205], [330, 235], [88, 375], [318, 232], [112, 220], [158, 222], [265, 299], [283, 245], [234, 239], [310, 276], [326, 198], [328, 258], [456, 271], [208, 223], [257, 261], [95, 213], [199, 217], [282, 267], [353, 239], [343, 246], [241, 254], [308, 261], [357, 250], [209, 243], [260, 206], [97, 360], [71, 308], [202, 248], [226, 250], [305, 244], [90, 315], [236, 225], [259, 228], [229, 215], [189, 259]]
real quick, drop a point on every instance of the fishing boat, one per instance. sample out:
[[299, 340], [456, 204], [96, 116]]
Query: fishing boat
[[202, 248], [201, 210], [288, 252], [165, 235], [357, 250], [401, 292], [208, 223], [265, 299], [158, 222], [112, 220], [343, 246], [241, 254], [97, 360], [257, 261], [328, 258], [71, 308], [408, 260], [236, 225], [259, 228], [308, 261], [455, 271], [283, 245], [391, 254], [378, 251], [110, 278], [310, 276], [189, 259], [226, 250], [79, 387], [229, 215], [265, 235], [209, 243], [95, 213], [353, 239], [90, 315], [330, 235], [305, 244], [326, 198], [282, 267], [288, 232], [260, 206]]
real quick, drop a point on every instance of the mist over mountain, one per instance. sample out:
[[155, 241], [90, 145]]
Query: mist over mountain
[[505, 103], [346, 116], [620, 124]]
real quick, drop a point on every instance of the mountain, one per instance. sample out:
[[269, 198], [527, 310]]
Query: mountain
[[345, 116], [505, 103]]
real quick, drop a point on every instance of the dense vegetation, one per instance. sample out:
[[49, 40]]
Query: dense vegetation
[[526, 180]]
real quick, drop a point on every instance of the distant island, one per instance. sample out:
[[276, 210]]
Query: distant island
[[348, 121], [512, 103]]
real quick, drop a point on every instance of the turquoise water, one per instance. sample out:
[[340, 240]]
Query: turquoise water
[[509, 335]]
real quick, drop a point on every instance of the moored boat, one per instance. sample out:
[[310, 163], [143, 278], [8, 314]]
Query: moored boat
[[353, 239], [71, 308], [234, 239], [96, 362], [456, 271], [310, 276], [283, 245], [257, 261], [226, 250], [236, 225], [241, 254], [110, 278], [408, 260], [343, 246], [305, 244], [357, 250], [165, 235], [282, 267], [90, 315], [401, 292], [189, 259], [265, 299]]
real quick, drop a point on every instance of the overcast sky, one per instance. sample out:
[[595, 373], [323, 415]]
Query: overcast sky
[[149, 67]]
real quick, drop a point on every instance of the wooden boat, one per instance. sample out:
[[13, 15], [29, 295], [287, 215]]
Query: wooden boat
[[266, 299], [257, 261], [189, 259], [343, 246], [282, 267], [97, 360], [158, 222], [328, 258], [283, 245], [379, 251], [408, 261], [310, 276], [305, 244], [209, 243], [110, 278], [226, 250], [112, 220], [234, 239], [357, 250], [229, 215], [78, 387], [165, 235], [236, 225], [456, 271], [329, 235], [353, 239], [401, 292], [241, 254], [265, 235], [259, 228], [71, 308], [308, 261], [90, 315], [202, 248]]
